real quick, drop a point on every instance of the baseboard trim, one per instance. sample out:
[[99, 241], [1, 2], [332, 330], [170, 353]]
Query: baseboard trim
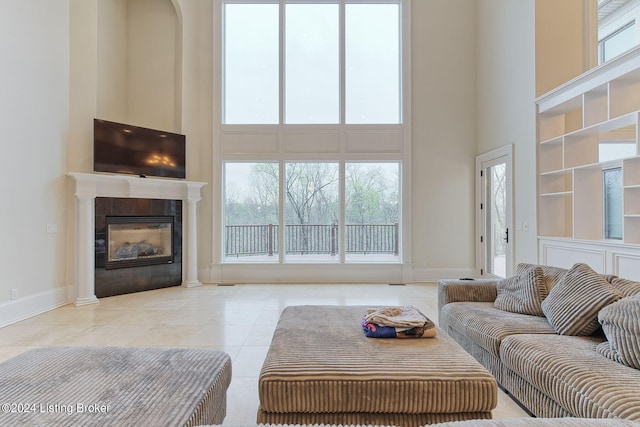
[[435, 274], [32, 305]]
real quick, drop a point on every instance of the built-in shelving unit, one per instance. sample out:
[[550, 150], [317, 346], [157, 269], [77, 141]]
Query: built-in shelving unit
[[574, 129], [586, 126]]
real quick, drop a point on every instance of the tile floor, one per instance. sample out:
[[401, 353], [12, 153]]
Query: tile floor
[[237, 319]]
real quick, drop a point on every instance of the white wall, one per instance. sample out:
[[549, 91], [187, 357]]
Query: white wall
[[34, 119], [113, 58], [151, 64], [444, 137], [506, 103]]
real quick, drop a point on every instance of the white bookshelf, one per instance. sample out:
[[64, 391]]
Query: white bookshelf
[[577, 123]]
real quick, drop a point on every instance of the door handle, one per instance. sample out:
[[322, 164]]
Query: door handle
[[506, 236]]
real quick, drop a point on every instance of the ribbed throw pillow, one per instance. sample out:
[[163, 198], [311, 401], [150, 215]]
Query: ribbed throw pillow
[[621, 324], [522, 293], [573, 304], [627, 287]]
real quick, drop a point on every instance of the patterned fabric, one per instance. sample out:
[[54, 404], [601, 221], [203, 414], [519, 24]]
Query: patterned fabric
[[552, 275], [628, 288], [116, 386], [621, 324], [570, 371], [320, 364], [487, 326], [573, 304], [522, 293]]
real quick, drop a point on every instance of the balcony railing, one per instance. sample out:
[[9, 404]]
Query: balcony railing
[[307, 239]]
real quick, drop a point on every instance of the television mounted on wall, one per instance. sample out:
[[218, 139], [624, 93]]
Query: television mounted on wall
[[126, 149]]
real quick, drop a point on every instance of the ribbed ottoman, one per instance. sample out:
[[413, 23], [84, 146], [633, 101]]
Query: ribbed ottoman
[[111, 386], [321, 369]]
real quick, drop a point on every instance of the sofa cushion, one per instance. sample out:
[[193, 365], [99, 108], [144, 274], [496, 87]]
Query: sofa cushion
[[628, 288], [522, 293], [621, 324], [551, 275], [573, 304], [487, 326], [569, 371]]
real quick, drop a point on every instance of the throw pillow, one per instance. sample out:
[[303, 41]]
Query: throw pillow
[[522, 293], [621, 324], [573, 304], [627, 287]]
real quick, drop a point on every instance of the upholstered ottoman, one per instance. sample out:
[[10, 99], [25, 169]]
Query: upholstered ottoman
[[109, 386], [321, 369]]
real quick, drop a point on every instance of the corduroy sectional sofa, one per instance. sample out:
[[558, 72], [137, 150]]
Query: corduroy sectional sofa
[[564, 343]]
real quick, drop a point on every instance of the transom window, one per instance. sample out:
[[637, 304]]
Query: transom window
[[301, 62]]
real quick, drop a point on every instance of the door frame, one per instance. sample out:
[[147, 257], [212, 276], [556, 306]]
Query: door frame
[[482, 161]]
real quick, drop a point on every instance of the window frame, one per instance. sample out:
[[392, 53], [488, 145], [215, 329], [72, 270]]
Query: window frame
[[315, 142]]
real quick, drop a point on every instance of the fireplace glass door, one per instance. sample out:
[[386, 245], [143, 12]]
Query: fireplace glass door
[[137, 241]]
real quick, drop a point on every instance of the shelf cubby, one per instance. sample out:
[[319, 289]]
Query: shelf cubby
[[588, 203], [631, 200], [623, 92], [631, 171], [596, 105], [632, 230], [561, 120], [580, 149], [551, 156], [556, 182], [556, 213]]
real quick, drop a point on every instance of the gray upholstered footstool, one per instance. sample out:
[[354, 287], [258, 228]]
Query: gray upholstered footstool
[[112, 386], [321, 369]]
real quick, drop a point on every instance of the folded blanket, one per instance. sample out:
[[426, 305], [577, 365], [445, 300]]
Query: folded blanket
[[405, 316], [397, 322]]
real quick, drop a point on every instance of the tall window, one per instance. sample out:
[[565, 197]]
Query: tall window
[[612, 203], [618, 42], [337, 65], [312, 130]]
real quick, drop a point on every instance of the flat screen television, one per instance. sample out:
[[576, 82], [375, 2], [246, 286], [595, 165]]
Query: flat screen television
[[126, 149]]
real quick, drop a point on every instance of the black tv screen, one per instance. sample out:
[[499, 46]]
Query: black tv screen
[[127, 149]]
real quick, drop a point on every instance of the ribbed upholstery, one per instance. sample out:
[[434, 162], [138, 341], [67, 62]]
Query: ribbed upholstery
[[627, 287], [320, 361], [621, 324], [522, 293], [542, 422], [479, 290], [488, 326], [486, 359], [552, 275], [570, 371], [141, 386], [573, 304], [350, 419], [536, 402]]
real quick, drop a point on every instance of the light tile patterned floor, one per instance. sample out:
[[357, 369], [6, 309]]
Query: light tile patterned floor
[[237, 319]]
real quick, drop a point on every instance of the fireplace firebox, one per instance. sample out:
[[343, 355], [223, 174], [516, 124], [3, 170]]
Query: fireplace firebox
[[133, 241]]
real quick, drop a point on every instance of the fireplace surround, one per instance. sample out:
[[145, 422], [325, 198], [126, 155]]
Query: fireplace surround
[[88, 187], [138, 245]]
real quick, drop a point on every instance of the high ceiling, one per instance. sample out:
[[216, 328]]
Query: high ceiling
[[607, 7]]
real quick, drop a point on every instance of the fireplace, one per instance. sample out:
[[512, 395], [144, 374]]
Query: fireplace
[[133, 241], [138, 245]]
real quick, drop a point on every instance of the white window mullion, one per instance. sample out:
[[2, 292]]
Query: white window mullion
[[342, 229], [342, 64], [281, 219], [282, 58]]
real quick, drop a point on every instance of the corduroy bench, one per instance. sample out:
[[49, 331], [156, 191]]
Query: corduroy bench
[[112, 386], [321, 369]]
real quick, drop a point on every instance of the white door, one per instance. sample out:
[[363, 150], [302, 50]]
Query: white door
[[494, 213]]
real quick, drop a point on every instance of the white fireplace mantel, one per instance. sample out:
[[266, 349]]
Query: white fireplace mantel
[[88, 186]]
